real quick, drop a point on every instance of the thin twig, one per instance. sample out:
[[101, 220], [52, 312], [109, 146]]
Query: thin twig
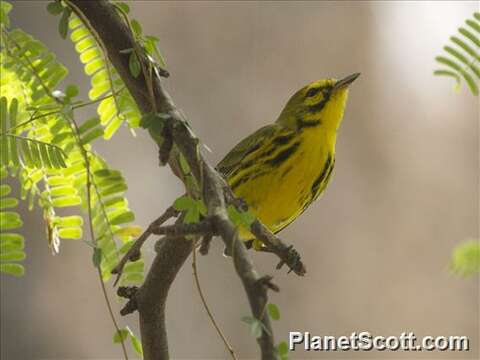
[[76, 105], [204, 302], [133, 253], [92, 233], [272, 244], [179, 230]]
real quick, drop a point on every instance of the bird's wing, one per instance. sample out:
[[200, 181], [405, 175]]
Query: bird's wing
[[243, 148]]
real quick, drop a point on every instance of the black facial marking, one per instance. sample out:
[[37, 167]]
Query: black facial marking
[[312, 92], [326, 91]]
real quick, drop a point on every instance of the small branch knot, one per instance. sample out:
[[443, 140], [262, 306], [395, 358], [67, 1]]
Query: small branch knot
[[265, 282], [159, 244], [292, 259], [127, 292], [167, 144]]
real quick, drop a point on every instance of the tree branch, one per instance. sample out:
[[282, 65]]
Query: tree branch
[[150, 299], [133, 253]]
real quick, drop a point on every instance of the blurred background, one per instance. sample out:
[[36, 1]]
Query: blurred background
[[377, 244]]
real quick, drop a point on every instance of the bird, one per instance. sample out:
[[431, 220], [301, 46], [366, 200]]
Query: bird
[[280, 169]]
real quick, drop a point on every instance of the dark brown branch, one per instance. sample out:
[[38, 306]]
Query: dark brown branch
[[150, 299], [179, 230], [287, 254], [133, 253], [254, 285]]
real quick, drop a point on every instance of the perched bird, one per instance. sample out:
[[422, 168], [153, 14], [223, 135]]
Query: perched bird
[[280, 169]]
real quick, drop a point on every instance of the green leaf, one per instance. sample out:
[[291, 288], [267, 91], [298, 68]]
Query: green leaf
[[463, 64], [468, 78], [123, 218], [91, 135], [131, 231], [273, 311], [136, 344], [10, 220], [470, 36], [466, 258], [12, 256], [184, 165], [123, 334], [63, 23], [254, 325], [71, 91], [70, 233], [256, 329], [44, 155], [120, 335], [467, 48], [11, 238], [115, 110], [66, 201], [184, 202], [7, 247], [192, 216], [202, 209], [8, 203], [136, 27], [69, 221], [447, 73], [244, 219], [5, 190], [89, 124], [55, 8], [125, 8], [97, 257], [134, 65], [5, 8], [12, 269], [282, 350], [57, 156]]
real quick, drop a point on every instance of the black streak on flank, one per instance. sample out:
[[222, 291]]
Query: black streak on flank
[[239, 182], [286, 171], [252, 149], [326, 171], [246, 178], [283, 139], [283, 155], [302, 124]]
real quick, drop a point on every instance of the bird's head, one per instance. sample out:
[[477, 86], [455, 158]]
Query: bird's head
[[321, 102]]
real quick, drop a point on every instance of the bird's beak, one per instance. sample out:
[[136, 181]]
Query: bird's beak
[[340, 84]]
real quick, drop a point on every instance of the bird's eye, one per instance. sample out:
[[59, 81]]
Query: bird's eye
[[312, 92]]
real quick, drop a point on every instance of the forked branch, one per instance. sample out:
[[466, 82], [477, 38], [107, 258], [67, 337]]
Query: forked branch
[[150, 298]]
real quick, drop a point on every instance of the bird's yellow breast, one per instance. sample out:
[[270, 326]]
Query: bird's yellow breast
[[289, 179]]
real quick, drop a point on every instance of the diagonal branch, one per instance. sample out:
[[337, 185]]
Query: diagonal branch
[[133, 253], [150, 299]]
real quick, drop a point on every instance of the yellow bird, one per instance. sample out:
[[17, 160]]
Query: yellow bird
[[280, 169]]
